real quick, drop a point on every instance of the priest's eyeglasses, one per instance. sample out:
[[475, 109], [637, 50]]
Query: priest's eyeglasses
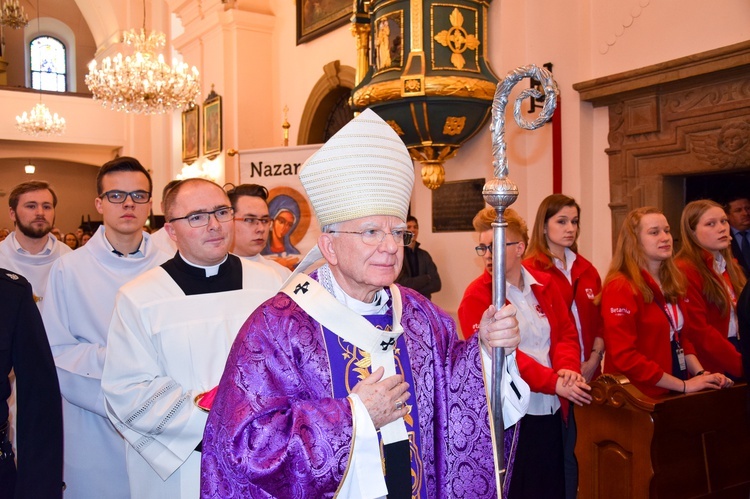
[[373, 237], [482, 249], [201, 218], [264, 221], [119, 197]]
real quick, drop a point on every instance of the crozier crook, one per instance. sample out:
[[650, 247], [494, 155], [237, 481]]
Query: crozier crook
[[500, 192]]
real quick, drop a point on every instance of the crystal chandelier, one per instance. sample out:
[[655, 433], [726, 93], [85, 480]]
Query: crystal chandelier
[[40, 122], [143, 83], [13, 15]]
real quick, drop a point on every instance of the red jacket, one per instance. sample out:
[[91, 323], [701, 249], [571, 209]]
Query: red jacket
[[477, 298], [565, 351], [586, 284], [708, 326], [636, 334]]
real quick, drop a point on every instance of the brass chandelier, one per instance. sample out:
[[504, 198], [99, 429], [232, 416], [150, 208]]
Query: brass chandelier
[[13, 16], [143, 83]]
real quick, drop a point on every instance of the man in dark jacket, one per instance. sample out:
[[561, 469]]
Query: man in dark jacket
[[738, 214], [419, 271], [25, 349]]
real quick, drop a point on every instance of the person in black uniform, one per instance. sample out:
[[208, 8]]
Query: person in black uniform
[[24, 348]]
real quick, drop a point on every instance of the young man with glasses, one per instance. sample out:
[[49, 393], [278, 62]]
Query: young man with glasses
[[170, 336], [252, 224], [77, 311]]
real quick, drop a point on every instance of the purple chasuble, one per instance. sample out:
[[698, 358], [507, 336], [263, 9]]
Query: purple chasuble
[[346, 358], [278, 428]]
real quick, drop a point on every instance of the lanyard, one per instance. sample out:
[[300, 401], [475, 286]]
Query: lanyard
[[730, 288], [672, 315]]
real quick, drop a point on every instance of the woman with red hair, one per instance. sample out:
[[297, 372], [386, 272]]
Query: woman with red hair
[[642, 305], [714, 281]]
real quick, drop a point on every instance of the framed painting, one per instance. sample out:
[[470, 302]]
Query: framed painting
[[212, 125], [316, 17], [190, 135]]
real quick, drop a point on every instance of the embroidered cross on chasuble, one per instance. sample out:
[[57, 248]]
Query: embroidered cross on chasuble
[[356, 346]]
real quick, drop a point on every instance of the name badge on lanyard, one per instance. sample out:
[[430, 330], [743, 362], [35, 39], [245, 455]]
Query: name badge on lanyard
[[673, 316]]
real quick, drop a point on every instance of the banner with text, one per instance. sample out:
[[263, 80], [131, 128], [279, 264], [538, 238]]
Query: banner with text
[[294, 230]]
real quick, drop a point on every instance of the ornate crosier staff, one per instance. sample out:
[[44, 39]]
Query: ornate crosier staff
[[501, 192]]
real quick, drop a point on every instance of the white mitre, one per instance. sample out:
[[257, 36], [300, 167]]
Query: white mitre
[[363, 170]]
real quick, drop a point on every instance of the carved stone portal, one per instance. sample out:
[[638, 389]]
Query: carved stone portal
[[683, 117]]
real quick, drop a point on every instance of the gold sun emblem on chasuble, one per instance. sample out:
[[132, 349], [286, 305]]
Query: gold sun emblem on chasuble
[[457, 39]]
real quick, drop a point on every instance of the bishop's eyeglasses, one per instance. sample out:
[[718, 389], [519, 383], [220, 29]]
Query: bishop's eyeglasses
[[373, 237], [201, 218], [482, 249]]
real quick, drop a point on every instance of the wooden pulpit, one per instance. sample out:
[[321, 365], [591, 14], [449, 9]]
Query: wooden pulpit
[[680, 446]]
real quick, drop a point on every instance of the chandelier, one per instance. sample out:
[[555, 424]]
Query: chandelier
[[40, 121], [13, 15], [143, 83]]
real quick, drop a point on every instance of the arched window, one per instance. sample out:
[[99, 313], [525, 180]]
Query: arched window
[[48, 64]]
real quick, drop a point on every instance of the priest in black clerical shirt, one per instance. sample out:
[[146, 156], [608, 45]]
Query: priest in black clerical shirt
[[170, 336]]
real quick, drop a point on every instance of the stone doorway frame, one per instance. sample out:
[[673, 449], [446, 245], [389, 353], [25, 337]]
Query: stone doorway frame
[[686, 116]]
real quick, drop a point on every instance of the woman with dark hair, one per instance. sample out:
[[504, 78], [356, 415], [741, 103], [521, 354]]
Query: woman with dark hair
[[642, 302], [714, 281], [553, 250]]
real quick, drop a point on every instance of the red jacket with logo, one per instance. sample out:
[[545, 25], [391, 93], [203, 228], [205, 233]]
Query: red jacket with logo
[[636, 334], [584, 286], [565, 351], [708, 326]]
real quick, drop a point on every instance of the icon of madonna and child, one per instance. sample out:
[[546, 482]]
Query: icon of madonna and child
[[290, 215]]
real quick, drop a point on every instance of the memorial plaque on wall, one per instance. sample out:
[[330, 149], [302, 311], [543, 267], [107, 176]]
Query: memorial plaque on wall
[[454, 205]]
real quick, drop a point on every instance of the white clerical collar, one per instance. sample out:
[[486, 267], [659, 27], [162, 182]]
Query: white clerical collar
[[255, 258], [45, 251], [378, 306], [211, 270], [139, 253]]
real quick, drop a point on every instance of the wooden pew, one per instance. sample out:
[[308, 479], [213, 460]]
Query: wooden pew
[[682, 446]]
